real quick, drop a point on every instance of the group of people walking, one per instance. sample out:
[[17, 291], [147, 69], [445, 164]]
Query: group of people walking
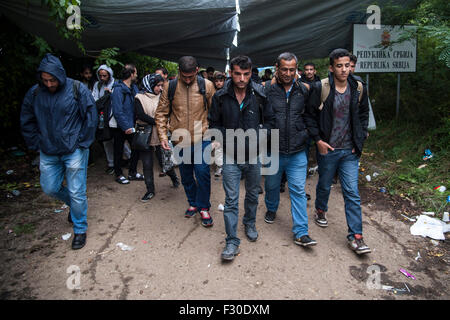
[[59, 119]]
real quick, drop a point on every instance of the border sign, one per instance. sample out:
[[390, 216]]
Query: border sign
[[373, 51]]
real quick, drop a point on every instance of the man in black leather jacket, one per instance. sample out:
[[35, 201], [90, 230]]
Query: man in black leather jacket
[[288, 99]]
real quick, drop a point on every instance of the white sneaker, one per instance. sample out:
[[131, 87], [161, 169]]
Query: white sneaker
[[218, 172]]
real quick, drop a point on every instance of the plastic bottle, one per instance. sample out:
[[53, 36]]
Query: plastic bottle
[[101, 123]]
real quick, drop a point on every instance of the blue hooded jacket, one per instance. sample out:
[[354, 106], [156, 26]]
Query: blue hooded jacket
[[56, 123], [122, 104]]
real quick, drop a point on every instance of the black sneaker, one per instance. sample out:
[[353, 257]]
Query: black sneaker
[[305, 241], [270, 216], [122, 180], [79, 240], [357, 244], [109, 170], [147, 196], [175, 183], [308, 197], [320, 218], [136, 176], [282, 187]]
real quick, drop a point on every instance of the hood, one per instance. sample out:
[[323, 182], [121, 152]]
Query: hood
[[107, 69], [52, 65]]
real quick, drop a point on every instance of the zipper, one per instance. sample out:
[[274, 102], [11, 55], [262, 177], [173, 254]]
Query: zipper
[[187, 104], [288, 110]]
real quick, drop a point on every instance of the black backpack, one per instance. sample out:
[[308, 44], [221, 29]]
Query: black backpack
[[173, 88], [104, 105]]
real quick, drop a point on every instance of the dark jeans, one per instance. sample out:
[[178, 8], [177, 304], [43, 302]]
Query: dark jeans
[[147, 164], [119, 138], [198, 189]]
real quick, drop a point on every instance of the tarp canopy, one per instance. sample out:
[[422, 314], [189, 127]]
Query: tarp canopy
[[169, 29]]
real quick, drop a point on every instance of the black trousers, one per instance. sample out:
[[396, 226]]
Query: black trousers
[[147, 164], [119, 139]]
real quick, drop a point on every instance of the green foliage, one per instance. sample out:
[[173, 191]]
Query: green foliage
[[432, 18], [145, 64], [108, 57], [424, 95], [20, 57], [399, 147], [58, 13]]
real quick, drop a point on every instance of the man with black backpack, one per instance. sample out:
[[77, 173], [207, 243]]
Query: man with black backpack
[[102, 96], [337, 119], [240, 107], [122, 104], [185, 101], [59, 119]]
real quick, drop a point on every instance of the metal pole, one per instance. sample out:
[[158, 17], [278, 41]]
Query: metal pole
[[367, 83], [398, 96]]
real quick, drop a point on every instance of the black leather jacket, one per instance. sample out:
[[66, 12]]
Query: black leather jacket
[[289, 116]]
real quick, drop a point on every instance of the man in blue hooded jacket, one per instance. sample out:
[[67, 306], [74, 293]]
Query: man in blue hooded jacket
[[59, 119]]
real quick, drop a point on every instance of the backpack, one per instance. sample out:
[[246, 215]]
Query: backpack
[[104, 105], [325, 92], [173, 87]]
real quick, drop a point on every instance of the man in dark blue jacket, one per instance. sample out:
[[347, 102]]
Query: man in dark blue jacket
[[59, 119], [288, 99], [240, 106], [122, 104]]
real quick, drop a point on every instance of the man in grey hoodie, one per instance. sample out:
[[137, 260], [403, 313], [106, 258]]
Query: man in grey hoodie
[[105, 83]]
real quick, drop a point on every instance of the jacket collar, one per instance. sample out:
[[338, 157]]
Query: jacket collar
[[351, 80]]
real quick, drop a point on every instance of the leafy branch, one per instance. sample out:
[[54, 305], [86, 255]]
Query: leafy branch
[[107, 56], [58, 13]]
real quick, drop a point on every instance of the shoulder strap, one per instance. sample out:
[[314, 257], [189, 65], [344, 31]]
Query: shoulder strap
[[99, 85], [171, 92], [360, 90], [324, 92], [76, 89], [259, 100], [202, 89]]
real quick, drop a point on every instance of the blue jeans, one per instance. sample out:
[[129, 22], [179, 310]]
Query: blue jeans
[[231, 177], [295, 166], [346, 164], [198, 191], [74, 167]]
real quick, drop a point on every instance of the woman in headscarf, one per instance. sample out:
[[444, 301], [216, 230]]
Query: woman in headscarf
[[145, 107]]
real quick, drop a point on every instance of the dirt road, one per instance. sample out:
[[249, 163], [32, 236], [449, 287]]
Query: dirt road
[[176, 258]]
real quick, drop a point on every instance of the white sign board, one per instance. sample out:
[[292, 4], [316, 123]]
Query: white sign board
[[371, 47]]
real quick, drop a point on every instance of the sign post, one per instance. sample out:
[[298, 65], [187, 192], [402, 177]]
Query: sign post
[[397, 110], [376, 53]]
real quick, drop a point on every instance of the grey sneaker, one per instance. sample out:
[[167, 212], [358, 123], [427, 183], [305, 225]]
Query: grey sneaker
[[357, 244], [251, 233], [305, 241], [270, 216], [230, 251], [320, 218]]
